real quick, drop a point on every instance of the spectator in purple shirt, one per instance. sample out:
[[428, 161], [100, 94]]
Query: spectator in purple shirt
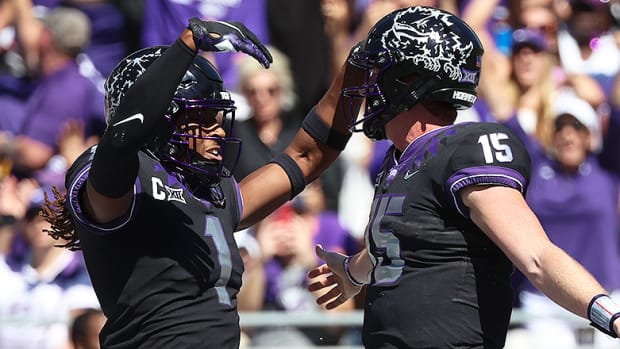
[[114, 33], [14, 92], [110, 38], [576, 201], [61, 93]]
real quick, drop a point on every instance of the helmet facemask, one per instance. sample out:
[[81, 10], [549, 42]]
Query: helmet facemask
[[194, 123], [375, 101]]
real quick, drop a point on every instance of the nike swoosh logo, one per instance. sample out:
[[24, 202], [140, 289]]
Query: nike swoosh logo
[[409, 175], [138, 116]]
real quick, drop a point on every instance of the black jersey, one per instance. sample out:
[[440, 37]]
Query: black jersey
[[166, 274], [439, 281]]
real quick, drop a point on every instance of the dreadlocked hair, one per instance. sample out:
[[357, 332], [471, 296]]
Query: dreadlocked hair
[[56, 214]]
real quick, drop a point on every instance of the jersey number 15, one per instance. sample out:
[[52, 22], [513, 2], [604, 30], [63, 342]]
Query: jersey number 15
[[493, 149]]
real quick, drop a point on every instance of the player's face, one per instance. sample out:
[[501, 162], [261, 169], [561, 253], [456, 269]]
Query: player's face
[[205, 123]]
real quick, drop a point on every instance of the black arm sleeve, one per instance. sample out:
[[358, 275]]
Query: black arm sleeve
[[115, 164]]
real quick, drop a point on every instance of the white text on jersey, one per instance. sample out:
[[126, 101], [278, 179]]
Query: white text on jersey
[[166, 193]]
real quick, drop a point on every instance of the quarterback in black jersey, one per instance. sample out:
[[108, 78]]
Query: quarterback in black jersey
[[449, 219], [153, 206]]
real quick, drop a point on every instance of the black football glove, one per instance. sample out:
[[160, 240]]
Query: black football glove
[[223, 36]]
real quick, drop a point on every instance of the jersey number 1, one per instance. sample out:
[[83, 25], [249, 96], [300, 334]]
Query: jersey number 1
[[215, 231]]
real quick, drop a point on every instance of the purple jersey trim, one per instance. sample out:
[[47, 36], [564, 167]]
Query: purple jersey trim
[[73, 203], [239, 202], [482, 175]]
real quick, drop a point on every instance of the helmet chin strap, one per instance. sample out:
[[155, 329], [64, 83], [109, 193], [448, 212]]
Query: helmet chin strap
[[211, 168], [212, 191], [206, 186], [203, 183], [375, 128]]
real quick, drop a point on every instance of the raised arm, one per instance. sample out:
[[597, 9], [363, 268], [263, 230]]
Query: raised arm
[[306, 158], [109, 189]]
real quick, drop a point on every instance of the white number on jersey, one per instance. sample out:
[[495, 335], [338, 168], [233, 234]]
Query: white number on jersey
[[493, 148]]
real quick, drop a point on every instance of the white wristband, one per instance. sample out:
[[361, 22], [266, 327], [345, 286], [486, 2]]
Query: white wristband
[[602, 311]]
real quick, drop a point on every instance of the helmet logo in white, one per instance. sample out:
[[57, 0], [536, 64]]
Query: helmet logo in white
[[437, 49]]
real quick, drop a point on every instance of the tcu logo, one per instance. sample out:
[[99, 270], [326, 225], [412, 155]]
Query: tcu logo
[[434, 47], [165, 193]]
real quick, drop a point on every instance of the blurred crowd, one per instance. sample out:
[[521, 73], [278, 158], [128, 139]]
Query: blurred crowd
[[550, 72]]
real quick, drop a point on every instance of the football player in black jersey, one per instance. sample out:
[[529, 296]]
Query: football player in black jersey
[[153, 206], [449, 219]]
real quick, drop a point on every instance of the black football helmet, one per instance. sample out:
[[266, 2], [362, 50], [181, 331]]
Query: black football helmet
[[439, 50], [201, 95]]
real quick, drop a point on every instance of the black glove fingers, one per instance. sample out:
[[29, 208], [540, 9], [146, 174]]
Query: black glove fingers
[[260, 46], [252, 37], [230, 36], [255, 51]]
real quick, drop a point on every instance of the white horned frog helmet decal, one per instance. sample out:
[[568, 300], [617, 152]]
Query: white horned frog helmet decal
[[438, 48]]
